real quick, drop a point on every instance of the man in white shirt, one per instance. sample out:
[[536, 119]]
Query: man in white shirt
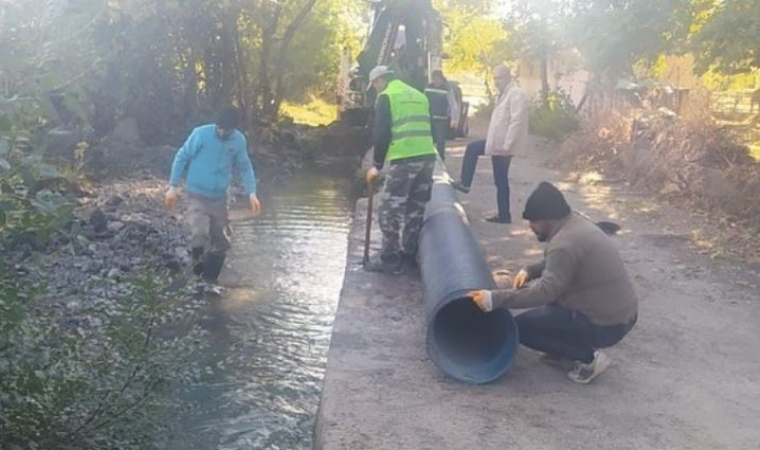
[[507, 135]]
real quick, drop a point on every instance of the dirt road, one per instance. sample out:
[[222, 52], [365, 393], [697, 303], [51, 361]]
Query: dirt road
[[687, 377]]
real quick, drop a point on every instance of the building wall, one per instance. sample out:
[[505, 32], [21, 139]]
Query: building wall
[[565, 72]]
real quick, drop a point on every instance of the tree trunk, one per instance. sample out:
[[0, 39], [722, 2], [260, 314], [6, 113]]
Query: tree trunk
[[241, 73], [264, 91], [189, 90], [227, 57], [545, 79], [287, 38]]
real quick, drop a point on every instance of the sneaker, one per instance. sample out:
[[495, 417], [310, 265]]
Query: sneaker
[[459, 186], [212, 288], [557, 361], [586, 373], [391, 265], [201, 287], [499, 219]]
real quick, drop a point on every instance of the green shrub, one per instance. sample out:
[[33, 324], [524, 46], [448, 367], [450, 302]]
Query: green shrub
[[556, 121], [100, 377], [105, 382], [483, 111]]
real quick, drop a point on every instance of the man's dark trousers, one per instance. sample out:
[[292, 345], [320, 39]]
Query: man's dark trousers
[[440, 128], [565, 333], [500, 165]]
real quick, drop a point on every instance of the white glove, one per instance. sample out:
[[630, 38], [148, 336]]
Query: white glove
[[483, 299]]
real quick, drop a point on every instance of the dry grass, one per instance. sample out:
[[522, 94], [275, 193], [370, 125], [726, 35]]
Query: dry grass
[[316, 112], [692, 162]]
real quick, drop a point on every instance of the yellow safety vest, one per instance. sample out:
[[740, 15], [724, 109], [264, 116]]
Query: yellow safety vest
[[410, 122]]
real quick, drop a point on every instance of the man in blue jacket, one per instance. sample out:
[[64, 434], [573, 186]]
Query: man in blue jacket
[[205, 161]]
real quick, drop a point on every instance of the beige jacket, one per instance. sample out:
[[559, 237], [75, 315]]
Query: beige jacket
[[508, 129], [582, 271]]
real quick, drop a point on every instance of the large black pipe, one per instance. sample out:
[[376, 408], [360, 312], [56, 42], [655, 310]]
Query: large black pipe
[[464, 342]]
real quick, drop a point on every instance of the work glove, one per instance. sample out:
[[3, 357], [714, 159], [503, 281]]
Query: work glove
[[483, 299], [255, 204], [170, 198], [372, 175], [520, 279]]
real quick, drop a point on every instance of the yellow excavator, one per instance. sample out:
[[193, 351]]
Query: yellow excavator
[[405, 35]]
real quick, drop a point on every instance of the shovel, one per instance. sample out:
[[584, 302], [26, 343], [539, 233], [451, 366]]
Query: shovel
[[368, 229]]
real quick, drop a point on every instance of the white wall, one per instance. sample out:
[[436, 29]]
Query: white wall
[[565, 73]]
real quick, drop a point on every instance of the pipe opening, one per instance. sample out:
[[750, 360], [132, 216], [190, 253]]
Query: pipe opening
[[473, 345]]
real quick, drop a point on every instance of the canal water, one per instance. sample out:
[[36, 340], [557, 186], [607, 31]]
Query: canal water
[[271, 329]]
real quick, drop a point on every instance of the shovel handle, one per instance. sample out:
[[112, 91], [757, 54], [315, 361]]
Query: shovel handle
[[368, 228]]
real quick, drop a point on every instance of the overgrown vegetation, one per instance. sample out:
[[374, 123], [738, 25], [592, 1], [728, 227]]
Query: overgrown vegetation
[[555, 118], [32, 203], [88, 377], [97, 383], [87, 65], [85, 376], [315, 112], [476, 39], [636, 133], [613, 39], [693, 161]]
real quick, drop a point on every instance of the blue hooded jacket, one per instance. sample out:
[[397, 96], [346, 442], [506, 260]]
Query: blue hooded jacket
[[208, 161]]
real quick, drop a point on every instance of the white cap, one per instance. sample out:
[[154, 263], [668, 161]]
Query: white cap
[[378, 72]]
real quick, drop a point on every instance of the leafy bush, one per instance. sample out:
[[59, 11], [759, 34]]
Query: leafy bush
[[31, 209], [556, 121], [484, 111], [95, 382], [91, 377]]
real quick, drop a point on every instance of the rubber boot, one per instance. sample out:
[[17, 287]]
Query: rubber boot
[[197, 255], [212, 266], [387, 264]]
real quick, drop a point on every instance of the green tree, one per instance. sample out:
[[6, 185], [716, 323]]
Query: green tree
[[536, 28], [475, 40], [48, 58], [166, 63], [726, 36], [612, 35]]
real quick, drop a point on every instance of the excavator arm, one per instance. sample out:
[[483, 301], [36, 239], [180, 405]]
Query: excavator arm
[[405, 35]]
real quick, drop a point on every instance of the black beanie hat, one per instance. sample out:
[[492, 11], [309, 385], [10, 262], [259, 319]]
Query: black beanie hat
[[227, 119], [546, 203]]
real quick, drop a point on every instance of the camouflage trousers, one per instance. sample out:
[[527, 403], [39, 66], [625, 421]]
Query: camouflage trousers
[[209, 224], [402, 205]]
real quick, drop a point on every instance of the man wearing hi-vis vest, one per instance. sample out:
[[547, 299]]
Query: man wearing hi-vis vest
[[402, 137]]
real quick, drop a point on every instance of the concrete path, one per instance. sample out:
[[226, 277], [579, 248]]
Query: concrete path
[[687, 377]]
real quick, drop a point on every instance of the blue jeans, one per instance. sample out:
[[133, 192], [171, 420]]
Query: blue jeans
[[500, 164], [569, 334]]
